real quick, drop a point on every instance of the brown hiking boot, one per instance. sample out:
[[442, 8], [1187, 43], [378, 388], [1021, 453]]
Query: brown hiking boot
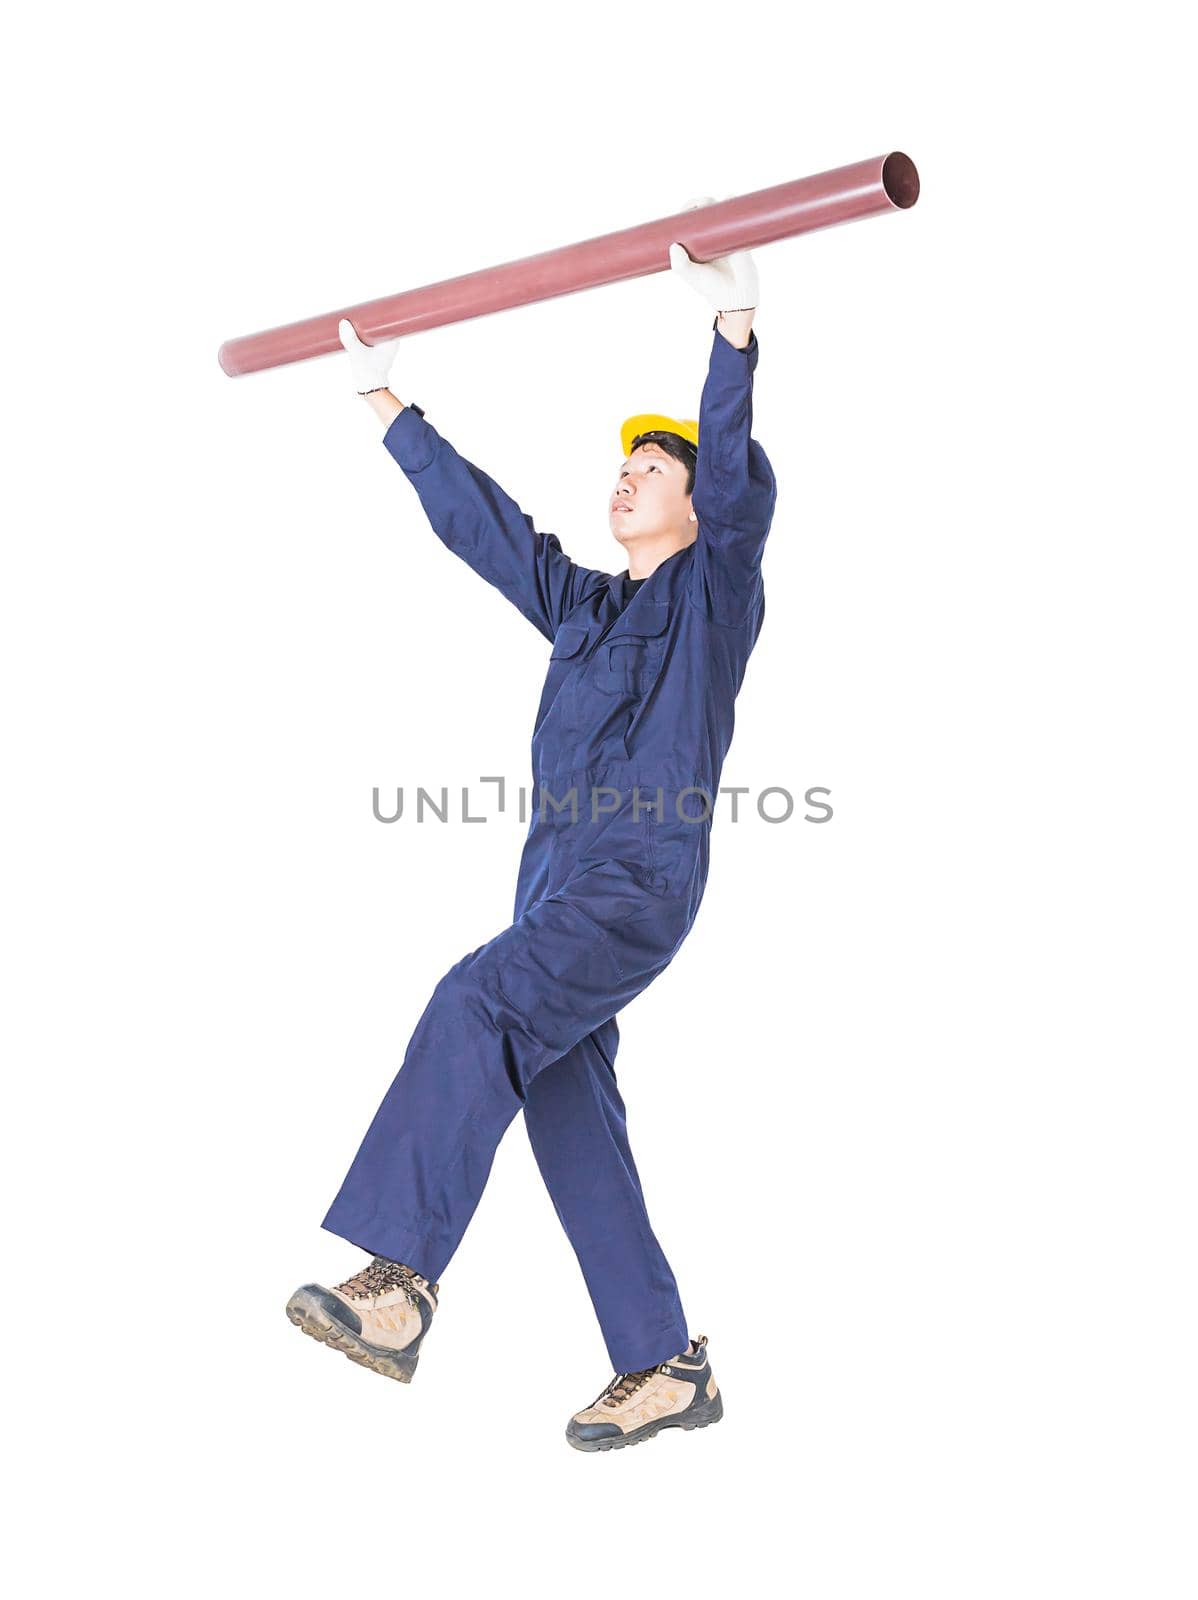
[[679, 1393], [377, 1318]]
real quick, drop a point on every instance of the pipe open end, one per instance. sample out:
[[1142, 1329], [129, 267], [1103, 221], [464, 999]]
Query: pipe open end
[[900, 180]]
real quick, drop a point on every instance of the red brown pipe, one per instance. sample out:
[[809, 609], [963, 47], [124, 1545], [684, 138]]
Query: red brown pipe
[[885, 183]]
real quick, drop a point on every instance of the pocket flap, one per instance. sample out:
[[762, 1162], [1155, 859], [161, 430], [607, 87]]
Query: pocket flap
[[567, 642], [641, 620]]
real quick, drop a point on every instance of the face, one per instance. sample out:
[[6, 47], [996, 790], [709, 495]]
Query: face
[[650, 498]]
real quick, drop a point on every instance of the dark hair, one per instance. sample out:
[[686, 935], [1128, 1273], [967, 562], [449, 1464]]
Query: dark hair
[[674, 445]]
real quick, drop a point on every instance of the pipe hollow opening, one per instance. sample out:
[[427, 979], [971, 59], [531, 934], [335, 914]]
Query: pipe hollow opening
[[900, 180]]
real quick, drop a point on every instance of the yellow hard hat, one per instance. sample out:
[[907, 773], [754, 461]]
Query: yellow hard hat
[[650, 421]]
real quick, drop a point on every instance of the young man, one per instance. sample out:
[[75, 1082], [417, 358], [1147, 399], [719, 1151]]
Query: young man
[[633, 726]]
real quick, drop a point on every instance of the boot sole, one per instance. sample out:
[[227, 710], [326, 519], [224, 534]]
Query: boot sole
[[311, 1318], [700, 1416]]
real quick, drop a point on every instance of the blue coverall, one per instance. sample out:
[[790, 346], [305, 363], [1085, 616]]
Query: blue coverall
[[635, 720]]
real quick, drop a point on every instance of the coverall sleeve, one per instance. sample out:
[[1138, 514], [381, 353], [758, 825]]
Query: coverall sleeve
[[473, 516], [735, 489]]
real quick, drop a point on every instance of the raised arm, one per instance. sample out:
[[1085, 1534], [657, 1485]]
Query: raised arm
[[735, 489], [475, 518]]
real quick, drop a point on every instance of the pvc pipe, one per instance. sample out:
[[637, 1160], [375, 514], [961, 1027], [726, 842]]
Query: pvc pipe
[[884, 183]]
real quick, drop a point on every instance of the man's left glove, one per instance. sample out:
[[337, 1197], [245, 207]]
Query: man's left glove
[[370, 364], [728, 283]]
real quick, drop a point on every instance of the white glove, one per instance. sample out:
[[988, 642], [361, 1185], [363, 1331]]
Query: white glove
[[728, 283], [370, 364]]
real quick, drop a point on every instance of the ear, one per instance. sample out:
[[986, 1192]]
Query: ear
[[693, 517]]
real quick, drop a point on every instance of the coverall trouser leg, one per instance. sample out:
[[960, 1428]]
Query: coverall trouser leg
[[576, 1124], [532, 997]]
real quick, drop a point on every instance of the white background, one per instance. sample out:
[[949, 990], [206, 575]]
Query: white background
[[914, 1106]]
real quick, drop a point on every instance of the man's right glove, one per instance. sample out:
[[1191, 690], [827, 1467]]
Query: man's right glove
[[370, 364]]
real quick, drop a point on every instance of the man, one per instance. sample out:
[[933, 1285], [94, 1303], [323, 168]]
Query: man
[[634, 723]]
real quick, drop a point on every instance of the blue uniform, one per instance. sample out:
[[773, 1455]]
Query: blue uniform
[[634, 723]]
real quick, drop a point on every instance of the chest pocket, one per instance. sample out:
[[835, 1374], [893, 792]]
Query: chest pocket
[[630, 657]]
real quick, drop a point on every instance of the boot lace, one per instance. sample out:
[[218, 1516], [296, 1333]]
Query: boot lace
[[380, 1277], [624, 1385]]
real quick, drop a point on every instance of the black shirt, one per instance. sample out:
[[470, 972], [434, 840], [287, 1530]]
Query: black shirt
[[631, 585]]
